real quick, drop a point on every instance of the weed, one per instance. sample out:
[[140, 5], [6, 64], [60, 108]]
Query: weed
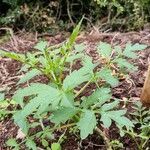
[[59, 102]]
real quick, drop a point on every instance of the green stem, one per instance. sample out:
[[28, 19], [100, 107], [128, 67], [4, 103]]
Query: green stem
[[82, 89], [65, 126], [61, 137]]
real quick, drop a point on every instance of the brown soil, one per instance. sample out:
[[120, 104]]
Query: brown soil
[[129, 88]]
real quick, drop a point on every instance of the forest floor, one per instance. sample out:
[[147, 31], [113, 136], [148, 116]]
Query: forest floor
[[129, 88]]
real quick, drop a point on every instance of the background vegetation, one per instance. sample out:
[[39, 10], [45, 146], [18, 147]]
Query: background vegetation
[[39, 15]]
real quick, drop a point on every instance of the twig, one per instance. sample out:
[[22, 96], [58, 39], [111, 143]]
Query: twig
[[82, 89], [68, 12], [102, 134]]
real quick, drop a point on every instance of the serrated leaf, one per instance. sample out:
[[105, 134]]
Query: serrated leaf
[[106, 74], [130, 49], [42, 60], [124, 121], [31, 144], [12, 55], [67, 100], [109, 106], [41, 46], [117, 116], [63, 114], [21, 122], [87, 123], [55, 146], [74, 57], [106, 121], [75, 78], [80, 76], [118, 49], [34, 89], [24, 68], [100, 96], [79, 47], [88, 65], [74, 34], [104, 49], [29, 75], [45, 95], [44, 143], [12, 142], [123, 63], [136, 47]]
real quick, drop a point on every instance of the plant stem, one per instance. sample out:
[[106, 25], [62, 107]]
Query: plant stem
[[61, 137], [42, 125], [65, 126], [144, 143], [133, 136], [82, 89], [102, 134]]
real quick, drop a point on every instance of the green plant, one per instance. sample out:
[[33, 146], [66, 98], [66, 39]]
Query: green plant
[[141, 119], [116, 144], [4, 104], [59, 101]]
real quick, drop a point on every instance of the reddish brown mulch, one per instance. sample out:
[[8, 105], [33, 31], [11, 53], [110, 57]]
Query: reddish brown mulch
[[129, 88]]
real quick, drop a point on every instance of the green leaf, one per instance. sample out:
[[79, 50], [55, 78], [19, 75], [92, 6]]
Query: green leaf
[[35, 89], [123, 63], [12, 142], [110, 106], [55, 146], [21, 122], [2, 96], [24, 68], [41, 46], [74, 57], [12, 55], [67, 100], [87, 123], [80, 76], [106, 120], [104, 49], [74, 34], [63, 114], [123, 121], [42, 60], [30, 144], [29, 75], [79, 47], [45, 95], [118, 49], [106, 74], [100, 96], [88, 65], [44, 143], [130, 49], [117, 116], [75, 78]]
